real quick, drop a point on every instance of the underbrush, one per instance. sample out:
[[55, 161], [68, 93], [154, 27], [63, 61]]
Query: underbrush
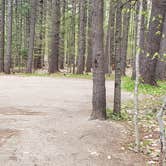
[[123, 116], [128, 85]]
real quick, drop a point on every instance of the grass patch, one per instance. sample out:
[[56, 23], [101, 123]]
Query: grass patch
[[60, 75], [88, 76], [128, 85], [123, 116]]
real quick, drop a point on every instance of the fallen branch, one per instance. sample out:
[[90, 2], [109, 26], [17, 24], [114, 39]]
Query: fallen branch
[[162, 134]]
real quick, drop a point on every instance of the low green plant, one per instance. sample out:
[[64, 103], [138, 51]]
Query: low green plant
[[128, 85], [123, 116]]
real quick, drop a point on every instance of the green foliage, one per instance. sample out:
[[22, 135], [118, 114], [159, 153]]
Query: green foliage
[[24, 8], [123, 116], [150, 116], [128, 85], [23, 52]]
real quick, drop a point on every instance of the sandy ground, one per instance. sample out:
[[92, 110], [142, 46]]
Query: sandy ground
[[45, 122]]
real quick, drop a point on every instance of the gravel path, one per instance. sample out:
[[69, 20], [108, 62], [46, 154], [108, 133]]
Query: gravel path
[[45, 122]]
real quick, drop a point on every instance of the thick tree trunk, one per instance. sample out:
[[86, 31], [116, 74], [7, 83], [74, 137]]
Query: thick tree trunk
[[54, 55], [99, 91], [161, 64], [82, 37], [117, 93], [153, 43], [32, 36], [38, 58], [2, 34], [9, 39]]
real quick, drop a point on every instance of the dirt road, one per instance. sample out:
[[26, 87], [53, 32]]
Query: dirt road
[[45, 122]]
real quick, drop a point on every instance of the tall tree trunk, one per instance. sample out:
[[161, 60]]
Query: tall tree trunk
[[9, 39], [99, 91], [89, 46], [126, 21], [54, 55], [2, 34], [73, 35], [138, 45], [107, 46], [143, 35], [134, 35], [32, 36], [63, 23], [153, 43], [27, 28], [82, 37], [112, 37], [39, 37], [117, 93], [161, 64]]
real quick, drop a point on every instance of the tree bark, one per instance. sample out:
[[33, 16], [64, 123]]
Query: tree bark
[[134, 35], [73, 35], [32, 36], [54, 55], [138, 45], [143, 34], [89, 47], [161, 63], [112, 38], [109, 47], [62, 39], [9, 39], [99, 91], [126, 21], [153, 43], [2, 34], [82, 37], [117, 91], [38, 58]]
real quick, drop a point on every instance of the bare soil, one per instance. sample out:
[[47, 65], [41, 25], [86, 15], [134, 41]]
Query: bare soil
[[45, 122]]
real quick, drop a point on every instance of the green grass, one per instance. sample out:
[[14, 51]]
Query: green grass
[[128, 85], [63, 75]]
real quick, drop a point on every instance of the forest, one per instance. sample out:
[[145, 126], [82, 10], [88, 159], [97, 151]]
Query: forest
[[82, 82]]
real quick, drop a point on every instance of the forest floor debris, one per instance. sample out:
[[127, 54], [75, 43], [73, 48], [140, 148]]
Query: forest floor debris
[[149, 129]]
